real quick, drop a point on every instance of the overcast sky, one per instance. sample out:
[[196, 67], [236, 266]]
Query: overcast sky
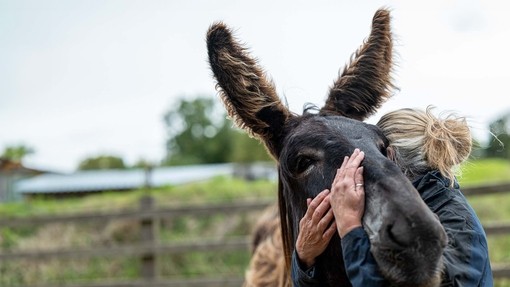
[[83, 78]]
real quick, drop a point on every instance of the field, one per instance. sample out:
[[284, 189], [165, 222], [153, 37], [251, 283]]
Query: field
[[490, 208]]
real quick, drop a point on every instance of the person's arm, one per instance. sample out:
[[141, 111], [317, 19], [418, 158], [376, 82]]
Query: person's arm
[[347, 200], [316, 229], [360, 265], [302, 276], [466, 258]]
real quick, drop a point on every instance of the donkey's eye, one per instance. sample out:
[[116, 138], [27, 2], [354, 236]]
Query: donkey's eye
[[383, 149], [303, 163]]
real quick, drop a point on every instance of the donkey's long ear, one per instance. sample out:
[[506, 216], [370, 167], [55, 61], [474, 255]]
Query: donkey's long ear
[[366, 82], [249, 96]]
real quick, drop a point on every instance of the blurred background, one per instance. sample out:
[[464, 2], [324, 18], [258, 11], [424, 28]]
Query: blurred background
[[112, 134], [84, 78]]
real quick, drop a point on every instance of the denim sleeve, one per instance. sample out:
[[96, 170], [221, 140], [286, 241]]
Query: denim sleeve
[[466, 257], [300, 277], [359, 263]]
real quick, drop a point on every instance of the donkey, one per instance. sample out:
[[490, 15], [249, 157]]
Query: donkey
[[406, 239]]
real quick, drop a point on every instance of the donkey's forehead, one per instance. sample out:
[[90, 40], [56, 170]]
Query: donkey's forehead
[[338, 134], [337, 126]]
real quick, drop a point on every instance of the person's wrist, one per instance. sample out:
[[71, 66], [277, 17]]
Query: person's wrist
[[347, 226], [348, 229], [305, 260]]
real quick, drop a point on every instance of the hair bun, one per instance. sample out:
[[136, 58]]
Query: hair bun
[[447, 140]]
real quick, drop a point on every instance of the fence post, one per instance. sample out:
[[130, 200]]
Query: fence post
[[148, 234]]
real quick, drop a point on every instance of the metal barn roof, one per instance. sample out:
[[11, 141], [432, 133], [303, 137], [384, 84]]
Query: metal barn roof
[[100, 180]]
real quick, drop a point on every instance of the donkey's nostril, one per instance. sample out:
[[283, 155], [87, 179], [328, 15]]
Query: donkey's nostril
[[400, 232]]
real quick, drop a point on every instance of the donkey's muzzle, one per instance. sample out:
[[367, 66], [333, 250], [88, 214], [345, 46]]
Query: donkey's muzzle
[[406, 232], [409, 250]]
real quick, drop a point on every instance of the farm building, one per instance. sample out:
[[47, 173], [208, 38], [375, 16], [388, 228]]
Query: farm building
[[10, 173], [94, 181]]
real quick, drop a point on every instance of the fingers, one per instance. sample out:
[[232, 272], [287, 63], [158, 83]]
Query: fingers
[[358, 179], [313, 210], [328, 234], [325, 221], [350, 165], [321, 210], [341, 171], [355, 160]]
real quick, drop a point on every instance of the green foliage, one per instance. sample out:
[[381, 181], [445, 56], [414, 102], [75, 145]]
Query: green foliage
[[246, 149], [143, 164], [102, 162], [194, 136], [16, 153], [199, 132], [499, 147]]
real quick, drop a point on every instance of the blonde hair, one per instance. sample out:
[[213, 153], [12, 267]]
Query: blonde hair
[[422, 141]]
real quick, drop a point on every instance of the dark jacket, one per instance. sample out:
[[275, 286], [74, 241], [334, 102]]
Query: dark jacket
[[466, 256]]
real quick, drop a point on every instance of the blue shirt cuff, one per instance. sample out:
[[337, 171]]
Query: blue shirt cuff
[[301, 276]]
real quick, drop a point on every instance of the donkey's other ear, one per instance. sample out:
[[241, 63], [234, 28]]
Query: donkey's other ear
[[249, 96], [366, 82]]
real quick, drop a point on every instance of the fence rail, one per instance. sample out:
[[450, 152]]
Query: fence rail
[[209, 282], [135, 250], [149, 248], [486, 189], [172, 212]]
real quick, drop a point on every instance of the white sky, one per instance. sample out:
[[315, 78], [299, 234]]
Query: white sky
[[83, 78]]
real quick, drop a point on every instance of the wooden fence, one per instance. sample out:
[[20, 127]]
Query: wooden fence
[[148, 248]]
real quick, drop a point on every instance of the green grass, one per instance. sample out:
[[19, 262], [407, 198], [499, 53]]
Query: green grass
[[204, 264], [493, 207], [490, 208], [486, 171], [101, 234], [220, 189], [24, 272]]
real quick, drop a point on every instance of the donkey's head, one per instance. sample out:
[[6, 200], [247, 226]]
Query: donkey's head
[[406, 239]]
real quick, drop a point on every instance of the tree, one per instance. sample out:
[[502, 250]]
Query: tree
[[246, 149], [143, 164], [199, 132], [191, 130], [102, 162], [499, 147], [16, 153]]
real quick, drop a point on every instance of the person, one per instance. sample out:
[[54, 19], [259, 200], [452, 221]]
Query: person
[[429, 150]]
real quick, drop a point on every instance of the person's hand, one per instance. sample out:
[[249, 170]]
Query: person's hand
[[316, 229], [347, 196]]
